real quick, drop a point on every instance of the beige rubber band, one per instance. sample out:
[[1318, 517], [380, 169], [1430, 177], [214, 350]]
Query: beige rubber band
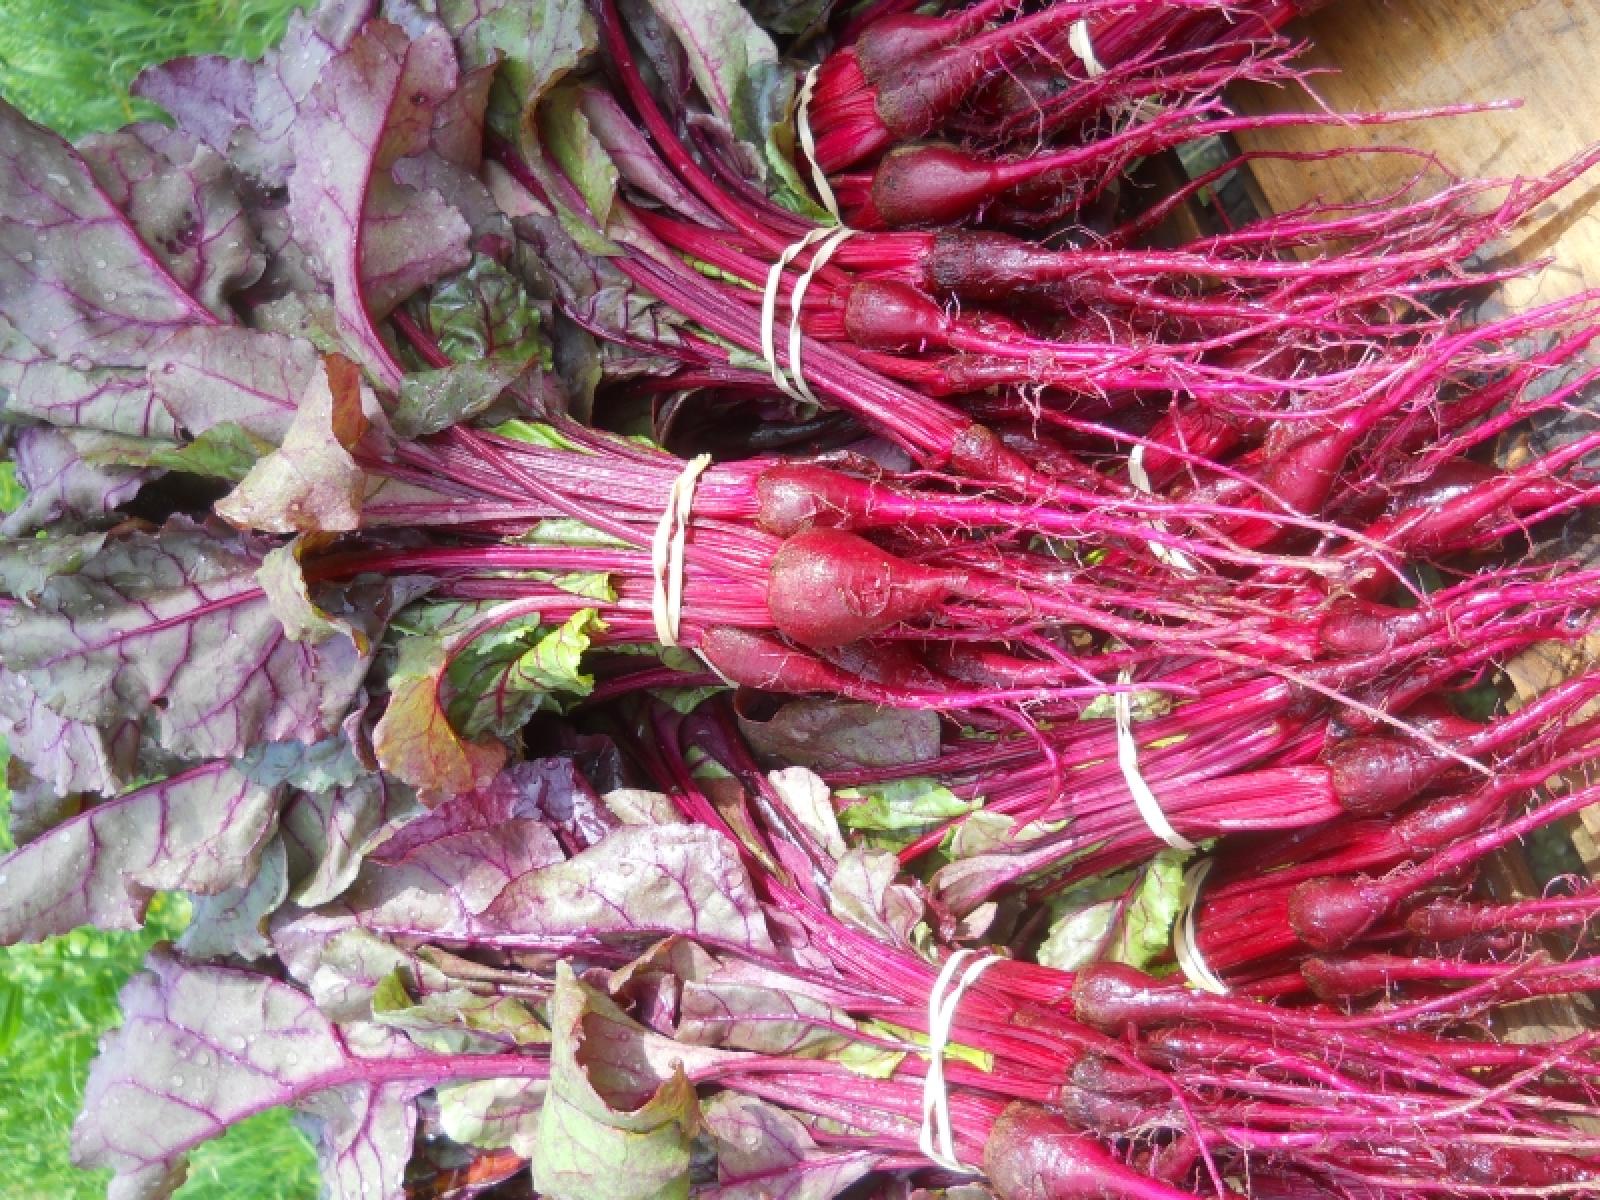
[[1184, 943], [1140, 478], [937, 1140], [769, 309], [808, 144], [818, 260], [666, 552], [1128, 759], [1082, 45]]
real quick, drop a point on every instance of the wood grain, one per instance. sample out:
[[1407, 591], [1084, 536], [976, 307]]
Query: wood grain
[[1394, 54]]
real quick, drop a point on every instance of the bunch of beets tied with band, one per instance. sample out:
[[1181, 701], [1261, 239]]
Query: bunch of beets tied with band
[[700, 619]]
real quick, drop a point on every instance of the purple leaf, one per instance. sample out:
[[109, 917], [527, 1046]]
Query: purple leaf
[[458, 121], [636, 160], [763, 1153], [330, 832], [208, 95], [829, 735], [522, 792], [284, 79], [364, 1138], [312, 484], [620, 1113], [408, 239], [179, 195], [67, 756], [115, 399], [177, 621], [205, 377], [36, 807], [202, 831], [76, 279], [202, 1048], [373, 106], [62, 483], [725, 47], [437, 881], [234, 923], [865, 894], [684, 879], [28, 564]]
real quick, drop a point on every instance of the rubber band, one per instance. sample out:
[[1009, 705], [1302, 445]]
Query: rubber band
[[1185, 946], [937, 1140], [792, 383], [1166, 555], [1081, 44], [818, 260], [1128, 759], [769, 309], [808, 144], [666, 552]]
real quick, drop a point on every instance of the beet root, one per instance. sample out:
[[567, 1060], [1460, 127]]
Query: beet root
[[1330, 913], [799, 496], [1033, 1154], [1377, 774], [828, 588]]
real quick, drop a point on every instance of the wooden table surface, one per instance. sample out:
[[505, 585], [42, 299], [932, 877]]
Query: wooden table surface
[[1405, 54], [1393, 54]]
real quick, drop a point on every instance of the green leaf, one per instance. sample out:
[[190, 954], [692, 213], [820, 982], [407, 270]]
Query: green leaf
[[1143, 706], [591, 585], [494, 1114], [901, 805], [567, 136], [1145, 932], [535, 45], [686, 700], [456, 1021], [484, 312], [289, 597], [568, 531], [606, 1132], [971, 1055], [727, 52], [28, 564], [506, 675], [225, 451], [1081, 933], [434, 400], [414, 740], [870, 1062], [12, 493], [537, 433]]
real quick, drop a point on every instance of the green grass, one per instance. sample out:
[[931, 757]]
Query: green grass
[[68, 65]]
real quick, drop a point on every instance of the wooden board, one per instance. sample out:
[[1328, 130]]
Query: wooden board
[[1393, 54], [1408, 54]]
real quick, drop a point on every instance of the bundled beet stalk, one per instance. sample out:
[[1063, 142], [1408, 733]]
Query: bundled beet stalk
[[700, 623]]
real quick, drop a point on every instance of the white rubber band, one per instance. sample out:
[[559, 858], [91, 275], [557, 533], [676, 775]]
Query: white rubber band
[[1140, 478], [1184, 943], [769, 309], [666, 552], [808, 144], [818, 260], [938, 1140], [1081, 44], [1128, 759]]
